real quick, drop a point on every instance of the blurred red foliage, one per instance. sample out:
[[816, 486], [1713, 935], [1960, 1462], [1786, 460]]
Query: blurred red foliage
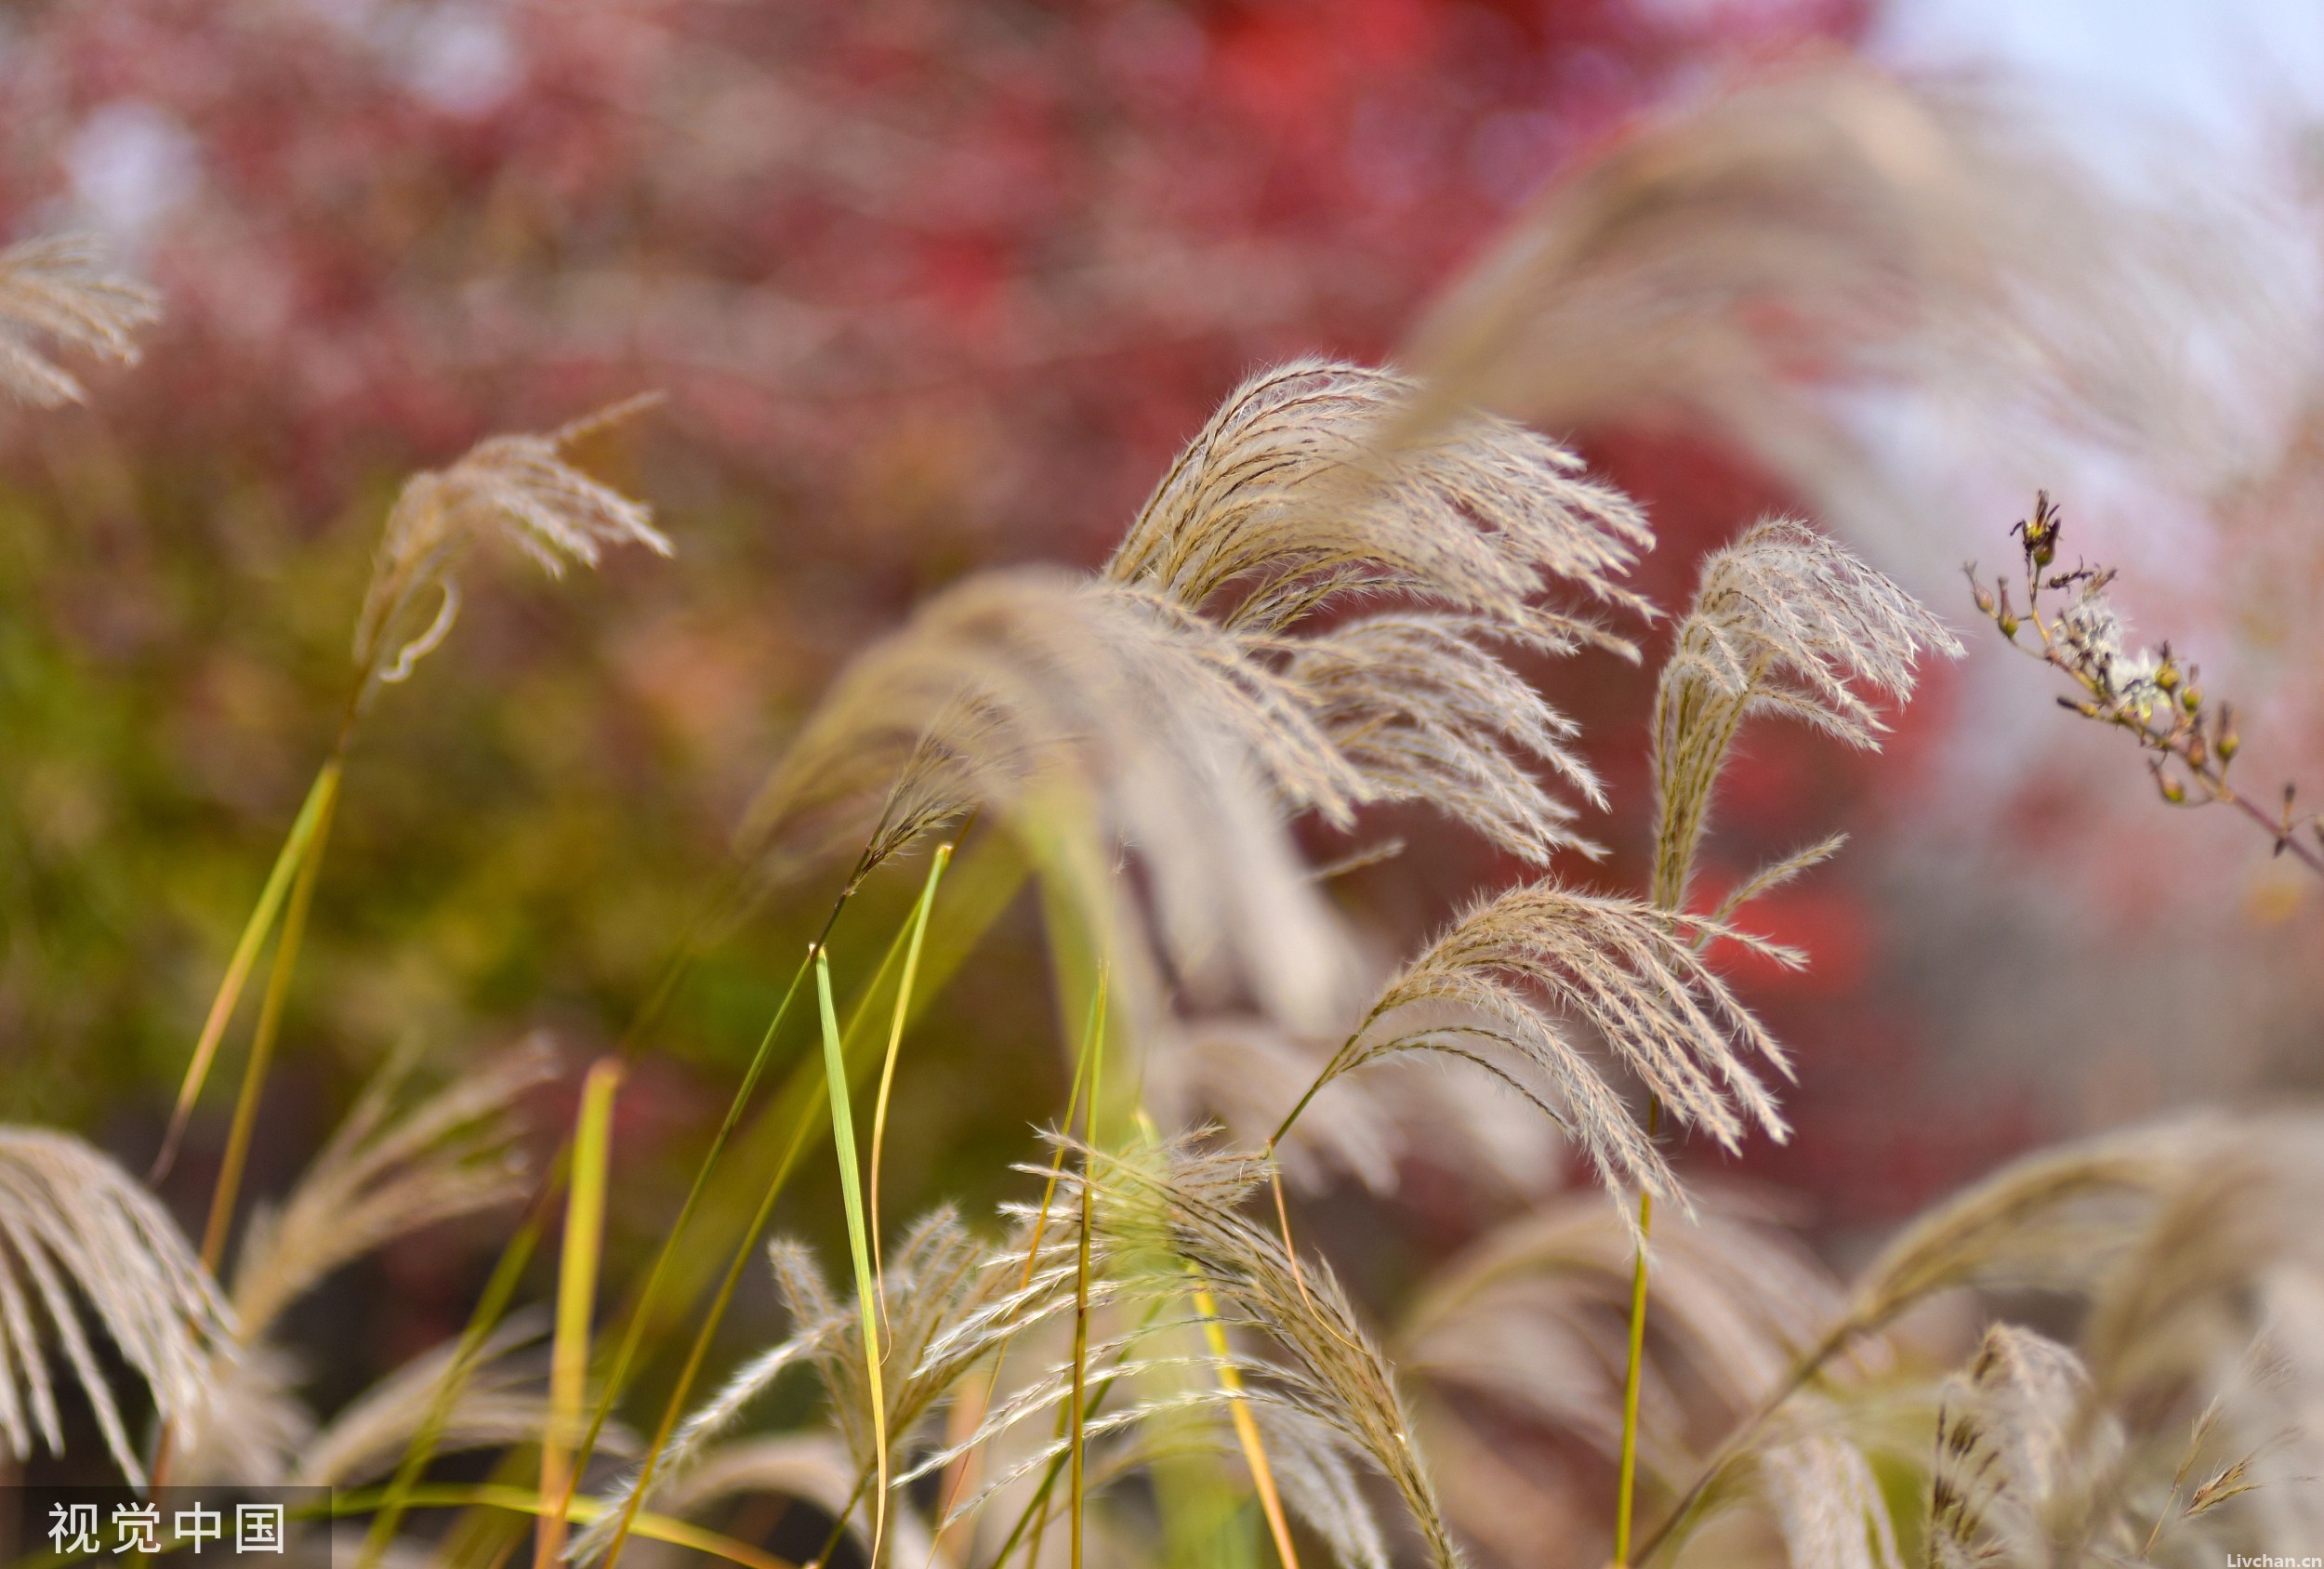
[[929, 286]]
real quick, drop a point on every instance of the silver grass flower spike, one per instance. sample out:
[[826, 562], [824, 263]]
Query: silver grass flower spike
[[385, 1174], [1319, 1361], [503, 1401], [1727, 265], [77, 1230], [1784, 621], [1827, 1504], [1181, 707], [1087, 716], [2005, 1440], [515, 488], [57, 287], [1505, 985], [949, 1301], [1292, 498], [1299, 497]]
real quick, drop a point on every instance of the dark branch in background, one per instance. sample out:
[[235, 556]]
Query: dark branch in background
[[2190, 742]]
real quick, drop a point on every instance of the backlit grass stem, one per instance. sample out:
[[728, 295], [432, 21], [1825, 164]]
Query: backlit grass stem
[[577, 1299]]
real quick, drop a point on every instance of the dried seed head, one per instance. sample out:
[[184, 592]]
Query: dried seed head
[[1501, 988], [1784, 621], [58, 287], [75, 1228], [515, 488]]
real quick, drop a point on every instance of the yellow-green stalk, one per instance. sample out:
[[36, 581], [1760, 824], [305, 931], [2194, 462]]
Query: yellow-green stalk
[[895, 1042], [577, 1299], [859, 1247]]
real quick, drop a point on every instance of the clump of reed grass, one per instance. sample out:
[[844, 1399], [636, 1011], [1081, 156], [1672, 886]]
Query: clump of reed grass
[[1308, 618]]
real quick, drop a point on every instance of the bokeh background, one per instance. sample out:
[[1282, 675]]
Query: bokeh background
[[935, 286]]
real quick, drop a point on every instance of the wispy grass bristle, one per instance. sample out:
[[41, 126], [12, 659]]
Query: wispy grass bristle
[[518, 489], [1505, 986], [1783, 622], [58, 287], [78, 1229]]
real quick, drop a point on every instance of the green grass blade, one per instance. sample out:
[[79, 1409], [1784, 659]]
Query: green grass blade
[[895, 1042], [859, 1245], [577, 1297], [228, 1187], [254, 932]]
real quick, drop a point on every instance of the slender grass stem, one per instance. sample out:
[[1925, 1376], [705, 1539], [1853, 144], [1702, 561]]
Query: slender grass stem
[[641, 1313], [1076, 1495], [576, 1297], [1635, 1369], [489, 1306], [1262, 1475], [1034, 1515], [807, 1108]]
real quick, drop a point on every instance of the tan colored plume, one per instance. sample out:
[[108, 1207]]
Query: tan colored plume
[[76, 1230], [57, 287], [518, 489]]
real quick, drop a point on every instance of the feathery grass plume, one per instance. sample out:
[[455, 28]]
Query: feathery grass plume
[[2199, 1329], [1784, 621], [943, 1294], [252, 1425], [1240, 1071], [1528, 1322], [503, 1401], [2055, 1221], [1424, 711], [76, 1224], [1310, 1464], [386, 1173], [1293, 500], [1289, 501], [1827, 1503], [1483, 992], [2005, 1436], [516, 488], [1827, 226], [1322, 1363], [57, 286], [255, 1431], [1105, 714]]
